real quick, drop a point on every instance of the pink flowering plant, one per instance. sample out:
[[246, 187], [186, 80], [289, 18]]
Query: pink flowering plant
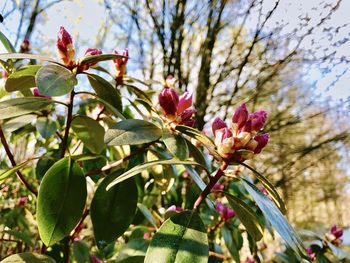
[[112, 172]]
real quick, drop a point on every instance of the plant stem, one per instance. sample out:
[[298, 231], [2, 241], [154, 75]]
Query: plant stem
[[68, 123], [13, 163], [213, 181]]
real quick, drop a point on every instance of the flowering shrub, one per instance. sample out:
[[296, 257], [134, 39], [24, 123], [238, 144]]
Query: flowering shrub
[[115, 177]]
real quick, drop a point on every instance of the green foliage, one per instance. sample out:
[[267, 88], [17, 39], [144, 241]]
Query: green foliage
[[182, 238], [61, 200]]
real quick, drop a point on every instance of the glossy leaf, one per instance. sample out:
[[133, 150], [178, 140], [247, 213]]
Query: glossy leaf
[[247, 217], [176, 145], [134, 248], [132, 132], [81, 252], [139, 168], [339, 253], [276, 218], [196, 154], [19, 122], [147, 214], [182, 238], [61, 200], [135, 259], [22, 79], [55, 80], [46, 127], [6, 43], [90, 132], [28, 257], [193, 133], [21, 106], [230, 243], [106, 91], [13, 170], [115, 208], [98, 58], [269, 187]]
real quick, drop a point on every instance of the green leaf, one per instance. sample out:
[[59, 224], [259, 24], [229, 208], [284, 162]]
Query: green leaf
[[19, 122], [46, 127], [134, 248], [61, 200], [90, 132], [269, 187], [106, 91], [22, 235], [55, 80], [193, 133], [81, 252], [22, 79], [176, 145], [247, 217], [6, 43], [132, 132], [197, 154], [339, 253], [28, 257], [115, 208], [21, 106], [139, 168], [28, 56], [135, 259], [230, 243], [11, 171], [147, 214], [98, 58], [182, 238], [277, 220]]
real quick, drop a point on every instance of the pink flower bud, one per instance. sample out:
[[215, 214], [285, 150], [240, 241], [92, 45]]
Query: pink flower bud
[[25, 46], [174, 208], [4, 74], [120, 65], [256, 121], [218, 187], [185, 101], [225, 212], [95, 259], [218, 124], [65, 47], [249, 260], [23, 200], [262, 140], [36, 93], [337, 232], [90, 52], [311, 253], [186, 118], [240, 116], [168, 100]]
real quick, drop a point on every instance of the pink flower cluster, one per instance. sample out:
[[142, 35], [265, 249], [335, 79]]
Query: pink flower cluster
[[225, 212], [120, 65], [175, 108], [311, 253], [242, 135]]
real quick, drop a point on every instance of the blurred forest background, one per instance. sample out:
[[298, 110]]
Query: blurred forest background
[[290, 57]]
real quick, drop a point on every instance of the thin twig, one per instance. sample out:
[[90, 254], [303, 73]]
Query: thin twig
[[14, 164], [68, 123]]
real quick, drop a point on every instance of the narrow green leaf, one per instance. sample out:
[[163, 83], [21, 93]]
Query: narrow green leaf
[[105, 91], [28, 56], [133, 251], [176, 145], [139, 93], [247, 217], [193, 133], [134, 259], [28, 257], [277, 220], [22, 79], [22, 235], [21, 106], [115, 209], [339, 253], [132, 132], [81, 252], [19, 122], [269, 187], [147, 214], [61, 200], [6, 43], [55, 80], [98, 58], [139, 168], [196, 153], [90, 132], [230, 243], [182, 238], [11, 171], [46, 127]]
